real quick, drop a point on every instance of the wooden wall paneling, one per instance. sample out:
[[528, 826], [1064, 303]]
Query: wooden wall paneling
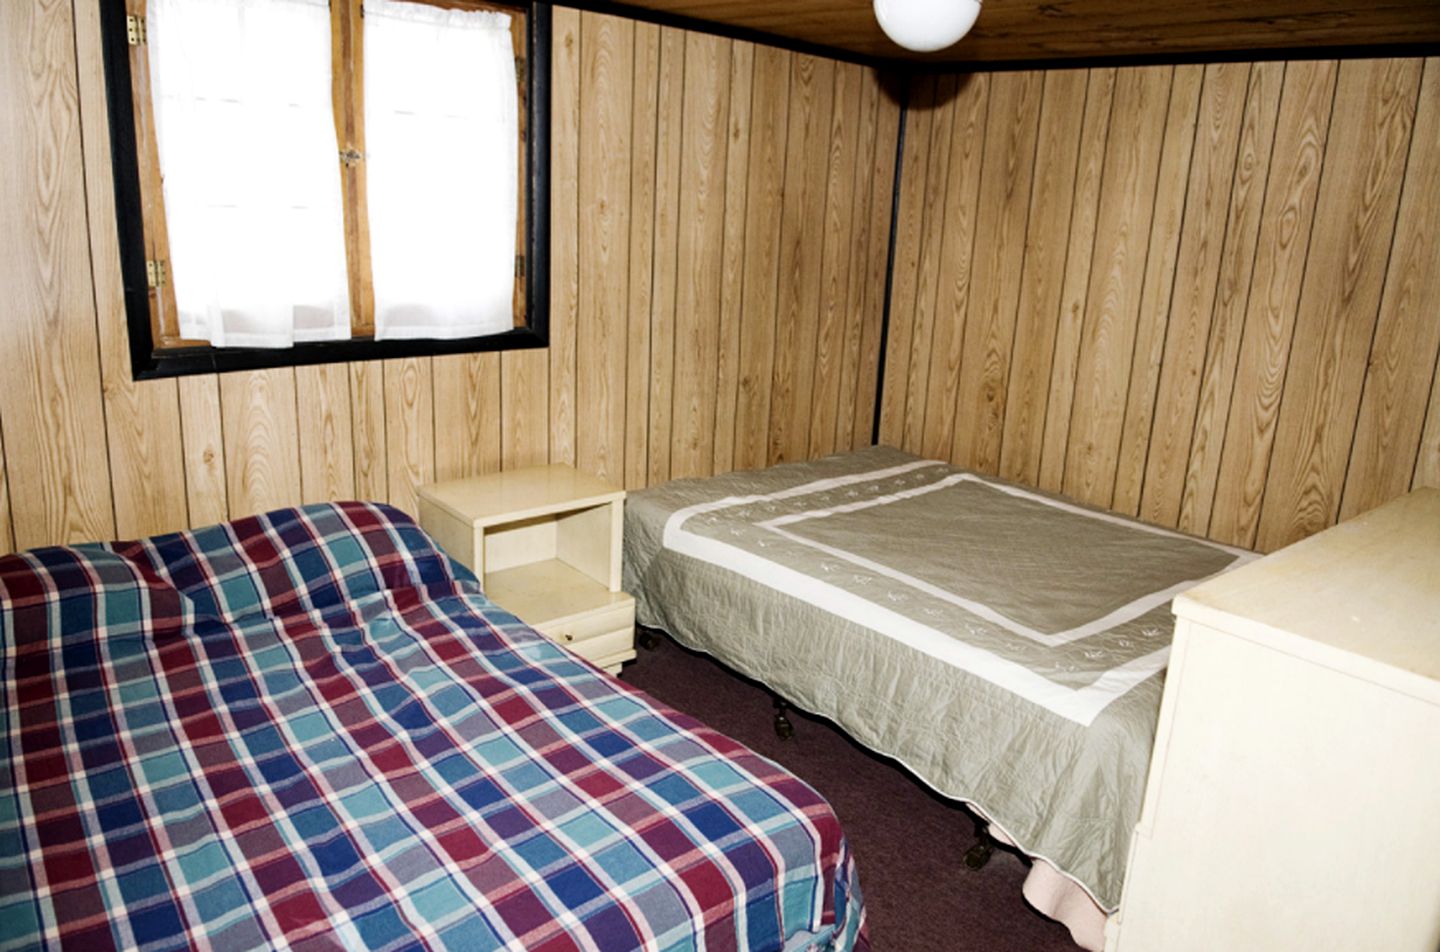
[[367, 418], [51, 404], [838, 238], [670, 93], [1427, 465], [409, 429], [1113, 303], [700, 253], [467, 414], [565, 72], [927, 282], [142, 419], [921, 149], [7, 536], [327, 450], [1286, 226], [881, 176], [1222, 352], [764, 210], [943, 325], [732, 266], [262, 441], [1339, 304], [644, 109], [1061, 111], [1001, 224], [812, 99], [1401, 364], [1165, 381], [605, 100], [202, 433], [525, 408], [1075, 288], [861, 196]]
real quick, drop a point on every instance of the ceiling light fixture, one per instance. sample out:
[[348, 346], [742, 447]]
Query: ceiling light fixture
[[926, 25]]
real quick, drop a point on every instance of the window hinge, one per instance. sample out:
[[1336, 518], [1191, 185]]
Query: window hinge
[[519, 266], [155, 275], [134, 29]]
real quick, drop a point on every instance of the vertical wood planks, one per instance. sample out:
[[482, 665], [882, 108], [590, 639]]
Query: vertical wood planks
[[203, 447], [7, 537], [699, 254], [467, 415], [1354, 223], [606, 98], [812, 96], [644, 115], [367, 416], [1403, 354], [409, 429], [567, 40], [327, 455], [670, 95], [764, 207], [262, 441], [51, 404], [1112, 307]]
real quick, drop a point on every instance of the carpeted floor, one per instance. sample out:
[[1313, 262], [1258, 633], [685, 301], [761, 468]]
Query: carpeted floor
[[908, 842]]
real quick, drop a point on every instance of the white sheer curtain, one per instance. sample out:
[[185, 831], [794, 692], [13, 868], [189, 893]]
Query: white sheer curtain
[[441, 169], [246, 134]]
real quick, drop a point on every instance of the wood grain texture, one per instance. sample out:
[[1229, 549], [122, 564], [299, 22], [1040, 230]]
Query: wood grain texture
[[202, 432], [835, 258], [409, 430], [262, 440], [1402, 357], [1116, 278], [142, 419], [644, 116], [59, 482], [732, 264], [1224, 318], [943, 325], [367, 417], [1086, 29], [467, 415], [764, 209], [1165, 380], [1003, 214], [565, 104], [1052, 195], [7, 535], [1286, 227], [1354, 227], [322, 398], [670, 96], [699, 261], [812, 100], [861, 195], [606, 99]]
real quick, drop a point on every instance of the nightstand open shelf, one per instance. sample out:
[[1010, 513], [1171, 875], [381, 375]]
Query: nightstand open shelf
[[545, 543]]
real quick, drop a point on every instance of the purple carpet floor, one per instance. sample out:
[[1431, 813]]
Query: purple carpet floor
[[909, 843]]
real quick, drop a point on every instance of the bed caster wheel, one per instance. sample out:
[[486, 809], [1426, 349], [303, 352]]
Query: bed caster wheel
[[647, 639], [979, 854], [783, 728]]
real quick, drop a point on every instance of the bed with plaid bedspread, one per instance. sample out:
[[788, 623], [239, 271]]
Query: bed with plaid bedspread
[[310, 730]]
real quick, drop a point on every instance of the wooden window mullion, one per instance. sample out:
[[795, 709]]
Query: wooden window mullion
[[347, 59]]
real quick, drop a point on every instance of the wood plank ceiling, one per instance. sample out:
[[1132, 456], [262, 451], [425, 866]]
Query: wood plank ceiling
[[1015, 31]]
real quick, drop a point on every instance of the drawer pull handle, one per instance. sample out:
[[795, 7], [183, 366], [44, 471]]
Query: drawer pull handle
[[567, 636]]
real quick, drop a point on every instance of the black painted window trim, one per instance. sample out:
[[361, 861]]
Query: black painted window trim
[[148, 362]]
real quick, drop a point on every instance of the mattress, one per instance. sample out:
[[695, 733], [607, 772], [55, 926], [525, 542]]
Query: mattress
[[310, 730], [1005, 645]]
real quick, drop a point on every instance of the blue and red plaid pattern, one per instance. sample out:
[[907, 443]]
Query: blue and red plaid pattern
[[310, 730]]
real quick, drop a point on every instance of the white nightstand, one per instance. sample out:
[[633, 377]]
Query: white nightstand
[[545, 543]]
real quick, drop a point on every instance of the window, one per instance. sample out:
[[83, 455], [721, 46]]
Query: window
[[300, 181]]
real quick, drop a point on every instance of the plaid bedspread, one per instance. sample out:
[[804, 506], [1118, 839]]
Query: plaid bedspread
[[310, 730]]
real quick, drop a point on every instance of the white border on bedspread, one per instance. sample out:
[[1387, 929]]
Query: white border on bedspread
[[1081, 705]]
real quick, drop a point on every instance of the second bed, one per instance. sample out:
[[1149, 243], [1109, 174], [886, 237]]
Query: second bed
[[1007, 646]]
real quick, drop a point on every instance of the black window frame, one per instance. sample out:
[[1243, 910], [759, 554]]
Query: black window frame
[[149, 362]]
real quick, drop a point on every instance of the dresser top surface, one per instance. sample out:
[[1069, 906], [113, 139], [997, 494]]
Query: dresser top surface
[[1368, 587]]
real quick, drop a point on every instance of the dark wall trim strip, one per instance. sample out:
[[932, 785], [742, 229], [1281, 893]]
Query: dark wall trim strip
[[890, 259], [1282, 54]]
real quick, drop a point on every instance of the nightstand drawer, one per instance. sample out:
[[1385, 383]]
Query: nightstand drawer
[[593, 625], [605, 649]]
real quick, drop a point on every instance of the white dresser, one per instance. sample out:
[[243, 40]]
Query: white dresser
[[1293, 801]]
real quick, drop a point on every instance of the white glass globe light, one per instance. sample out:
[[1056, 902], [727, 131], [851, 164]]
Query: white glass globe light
[[926, 25]]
